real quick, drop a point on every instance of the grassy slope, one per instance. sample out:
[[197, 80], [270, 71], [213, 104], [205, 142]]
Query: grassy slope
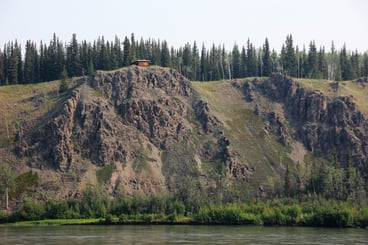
[[30, 103], [245, 130], [24, 105]]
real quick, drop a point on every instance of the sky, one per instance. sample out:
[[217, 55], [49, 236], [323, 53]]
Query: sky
[[185, 21]]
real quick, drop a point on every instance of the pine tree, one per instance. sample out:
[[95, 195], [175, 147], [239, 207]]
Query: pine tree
[[266, 60], [354, 61], [118, 53], [64, 81], [20, 63], [204, 65], [30, 63], [236, 62], [195, 62], [312, 61], [289, 58], [2, 68], [187, 61], [365, 65], [322, 64], [73, 58], [165, 55], [126, 52], [251, 60], [133, 53], [345, 65], [103, 59], [43, 63], [13, 63]]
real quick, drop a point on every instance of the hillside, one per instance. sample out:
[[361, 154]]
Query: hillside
[[153, 132]]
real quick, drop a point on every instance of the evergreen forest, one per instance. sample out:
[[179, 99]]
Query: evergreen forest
[[46, 62]]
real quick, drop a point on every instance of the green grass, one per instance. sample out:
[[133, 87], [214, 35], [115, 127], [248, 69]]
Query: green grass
[[104, 174], [58, 222], [24, 103], [244, 129]]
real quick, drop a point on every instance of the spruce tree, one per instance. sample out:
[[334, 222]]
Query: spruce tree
[[29, 63], [266, 60], [133, 53], [13, 64], [73, 58], [365, 65], [195, 62], [165, 55], [313, 69], [2, 68], [64, 81], [345, 65], [126, 52], [251, 60], [236, 62], [322, 64], [204, 65], [289, 57]]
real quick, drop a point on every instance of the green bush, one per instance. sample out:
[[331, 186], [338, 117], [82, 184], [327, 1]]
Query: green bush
[[6, 217], [31, 210], [362, 217]]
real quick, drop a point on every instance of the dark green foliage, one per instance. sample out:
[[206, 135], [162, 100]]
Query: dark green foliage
[[64, 81], [169, 209], [266, 60], [236, 62], [73, 56], [31, 66], [104, 174], [364, 70], [214, 63], [31, 210], [93, 203], [251, 61], [313, 70], [24, 182], [165, 55], [288, 57]]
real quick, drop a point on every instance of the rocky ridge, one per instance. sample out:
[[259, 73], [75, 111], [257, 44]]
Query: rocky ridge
[[326, 126], [131, 121]]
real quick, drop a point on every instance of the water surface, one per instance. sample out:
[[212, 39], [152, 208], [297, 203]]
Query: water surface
[[179, 234]]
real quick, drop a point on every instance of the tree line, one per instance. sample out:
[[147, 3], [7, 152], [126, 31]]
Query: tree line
[[46, 62]]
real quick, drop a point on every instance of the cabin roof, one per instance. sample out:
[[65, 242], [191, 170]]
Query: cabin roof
[[138, 61]]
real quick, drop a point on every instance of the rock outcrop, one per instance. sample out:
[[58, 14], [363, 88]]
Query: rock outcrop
[[132, 119], [326, 126]]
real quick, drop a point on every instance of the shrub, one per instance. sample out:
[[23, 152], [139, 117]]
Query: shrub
[[362, 217], [31, 210]]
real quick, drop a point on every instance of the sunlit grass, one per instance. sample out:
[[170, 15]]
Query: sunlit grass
[[58, 222]]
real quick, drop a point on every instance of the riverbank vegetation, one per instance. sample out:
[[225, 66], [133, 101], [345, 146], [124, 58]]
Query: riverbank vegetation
[[168, 210]]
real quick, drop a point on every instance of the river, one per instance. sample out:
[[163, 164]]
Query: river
[[179, 234]]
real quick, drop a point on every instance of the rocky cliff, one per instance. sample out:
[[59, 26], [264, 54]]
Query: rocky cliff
[[326, 126], [146, 128], [153, 132]]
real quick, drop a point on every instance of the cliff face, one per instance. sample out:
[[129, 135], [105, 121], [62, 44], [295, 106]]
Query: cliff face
[[326, 126], [151, 131], [147, 125]]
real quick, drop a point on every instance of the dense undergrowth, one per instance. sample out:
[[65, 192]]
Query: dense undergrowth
[[314, 212]]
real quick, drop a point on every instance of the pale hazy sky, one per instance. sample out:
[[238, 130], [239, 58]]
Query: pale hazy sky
[[182, 21]]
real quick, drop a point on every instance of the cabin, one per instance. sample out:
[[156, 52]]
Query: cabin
[[142, 63]]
